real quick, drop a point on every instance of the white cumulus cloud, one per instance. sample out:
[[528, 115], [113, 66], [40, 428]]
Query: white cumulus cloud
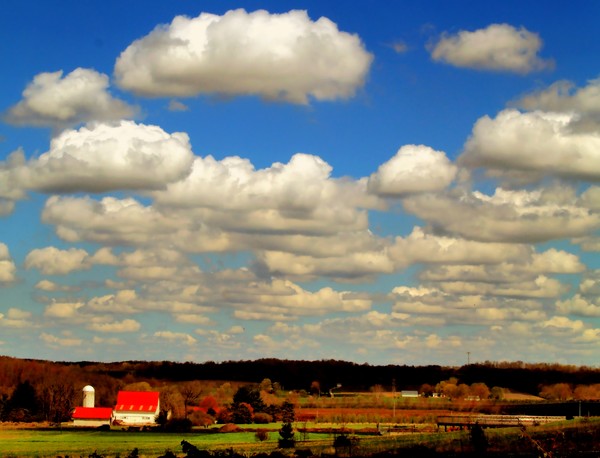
[[505, 216], [565, 97], [275, 56], [52, 261], [56, 101], [8, 269], [414, 169], [16, 318], [498, 47], [540, 143], [578, 305], [104, 157]]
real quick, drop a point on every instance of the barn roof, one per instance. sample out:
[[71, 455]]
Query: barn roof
[[137, 401], [92, 413]]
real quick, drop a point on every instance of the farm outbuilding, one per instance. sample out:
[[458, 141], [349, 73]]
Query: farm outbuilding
[[409, 394], [137, 408], [92, 416]]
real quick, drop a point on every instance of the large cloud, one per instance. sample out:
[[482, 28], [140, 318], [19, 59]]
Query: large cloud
[[539, 143], [297, 197], [109, 221], [358, 256], [414, 169], [498, 47], [276, 56], [104, 157], [227, 205], [506, 216], [54, 101]]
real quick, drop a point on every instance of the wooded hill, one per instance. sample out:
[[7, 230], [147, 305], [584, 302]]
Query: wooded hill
[[299, 375]]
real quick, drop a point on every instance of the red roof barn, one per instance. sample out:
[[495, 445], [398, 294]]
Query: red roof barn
[[92, 416], [137, 407]]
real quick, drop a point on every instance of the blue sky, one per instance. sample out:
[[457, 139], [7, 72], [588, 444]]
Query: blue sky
[[395, 182]]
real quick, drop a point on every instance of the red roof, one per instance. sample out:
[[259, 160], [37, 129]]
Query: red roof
[[137, 401], [92, 413]]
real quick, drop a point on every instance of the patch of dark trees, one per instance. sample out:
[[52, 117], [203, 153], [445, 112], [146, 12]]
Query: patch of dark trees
[[299, 374]]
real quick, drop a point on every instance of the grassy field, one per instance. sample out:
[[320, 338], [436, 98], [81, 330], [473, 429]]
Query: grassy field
[[75, 443], [19, 442]]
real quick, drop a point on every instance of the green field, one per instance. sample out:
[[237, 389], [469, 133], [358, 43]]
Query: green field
[[563, 437], [75, 443]]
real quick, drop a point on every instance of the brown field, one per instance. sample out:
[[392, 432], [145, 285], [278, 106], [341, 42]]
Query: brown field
[[521, 397], [367, 414]]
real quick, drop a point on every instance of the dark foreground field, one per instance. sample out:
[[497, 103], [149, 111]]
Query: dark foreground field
[[575, 438]]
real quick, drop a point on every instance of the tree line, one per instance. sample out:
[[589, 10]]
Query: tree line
[[299, 374], [45, 390]]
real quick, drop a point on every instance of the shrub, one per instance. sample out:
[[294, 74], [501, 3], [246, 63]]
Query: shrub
[[346, 442], [229, 428], [262, 418], [179, 425], [199, 418], [261, 435]]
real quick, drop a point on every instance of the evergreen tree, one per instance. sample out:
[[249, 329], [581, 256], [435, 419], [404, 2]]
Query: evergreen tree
[[287, 436], [288, 414]]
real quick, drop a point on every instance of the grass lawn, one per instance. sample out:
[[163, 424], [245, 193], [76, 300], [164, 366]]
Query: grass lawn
[[29, 443]]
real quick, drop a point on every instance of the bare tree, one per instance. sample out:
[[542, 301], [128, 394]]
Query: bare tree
[[191, 392], [56, 394], [377, 391]]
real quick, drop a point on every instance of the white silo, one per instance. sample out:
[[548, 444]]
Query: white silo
[[88, 396]]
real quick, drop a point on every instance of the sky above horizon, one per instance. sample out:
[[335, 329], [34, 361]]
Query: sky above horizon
[[392, 183]]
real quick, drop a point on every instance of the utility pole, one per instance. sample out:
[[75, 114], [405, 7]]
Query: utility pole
[[468, 358]]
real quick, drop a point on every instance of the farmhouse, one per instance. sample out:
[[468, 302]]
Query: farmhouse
[[136, 408]]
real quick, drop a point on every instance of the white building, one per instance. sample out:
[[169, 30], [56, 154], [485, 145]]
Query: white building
[[136, 408]]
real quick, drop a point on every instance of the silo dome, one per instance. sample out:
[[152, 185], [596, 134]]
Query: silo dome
[[88, 396]]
